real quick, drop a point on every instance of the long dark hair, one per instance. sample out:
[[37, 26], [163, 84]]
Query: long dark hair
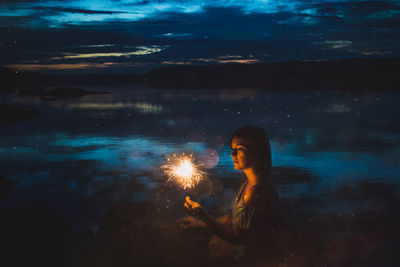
[[259, 142]]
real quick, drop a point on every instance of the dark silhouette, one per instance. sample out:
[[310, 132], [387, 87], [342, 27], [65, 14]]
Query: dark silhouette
[[72, 92], [344, 74], [6, 186], [10, 115]]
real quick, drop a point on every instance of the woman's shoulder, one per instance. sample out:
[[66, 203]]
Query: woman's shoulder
[[259, 193]]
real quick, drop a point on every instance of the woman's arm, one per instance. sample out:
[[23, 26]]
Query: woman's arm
[[224, 227], [225, 219], [192, 222]]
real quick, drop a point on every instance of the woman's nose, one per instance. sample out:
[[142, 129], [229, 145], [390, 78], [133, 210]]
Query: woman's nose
[[234, 153]]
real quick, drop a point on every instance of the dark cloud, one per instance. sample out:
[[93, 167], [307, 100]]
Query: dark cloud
[[23, 1], [75, 10], [303, 30], [356, 8]]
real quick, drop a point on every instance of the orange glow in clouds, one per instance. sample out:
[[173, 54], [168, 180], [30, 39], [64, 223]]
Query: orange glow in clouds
[[72, 66]]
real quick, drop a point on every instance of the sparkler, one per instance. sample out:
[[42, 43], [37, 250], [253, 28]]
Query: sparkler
[[183, 170]]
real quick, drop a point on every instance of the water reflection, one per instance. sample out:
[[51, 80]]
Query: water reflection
[[141, 107], [106, 149]]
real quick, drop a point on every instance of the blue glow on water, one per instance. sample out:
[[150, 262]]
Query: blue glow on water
[[34, 178], [113, 156], [332, 168]]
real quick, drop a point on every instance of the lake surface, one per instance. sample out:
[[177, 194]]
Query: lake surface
[[83, 156]]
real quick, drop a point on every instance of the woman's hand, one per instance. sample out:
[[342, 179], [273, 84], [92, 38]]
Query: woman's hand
[[190, 222], [194, 208]]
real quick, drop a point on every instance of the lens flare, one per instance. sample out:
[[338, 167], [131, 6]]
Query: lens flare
[[183, 170]]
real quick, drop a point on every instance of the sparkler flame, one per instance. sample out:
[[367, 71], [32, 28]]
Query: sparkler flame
[[183, 170]]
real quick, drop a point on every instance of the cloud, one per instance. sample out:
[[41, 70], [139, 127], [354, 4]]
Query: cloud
[[97, 45], [218, 60], [375, 53], [59, 13], [75, 10], [68, 66], [167, 62], [360, 12], [142, 51], [196, 32], [221, 60], [339, 44], [174, 35], [20, 2]]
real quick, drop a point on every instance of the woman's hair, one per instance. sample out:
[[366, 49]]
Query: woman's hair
[[258, 139]]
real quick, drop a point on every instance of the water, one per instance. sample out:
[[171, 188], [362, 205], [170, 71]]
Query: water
[[83, 156]]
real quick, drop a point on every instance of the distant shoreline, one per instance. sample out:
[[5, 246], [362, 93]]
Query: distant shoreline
[[343, 74]]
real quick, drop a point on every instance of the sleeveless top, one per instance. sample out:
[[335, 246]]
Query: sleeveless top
[[262, 210], [257, 220]]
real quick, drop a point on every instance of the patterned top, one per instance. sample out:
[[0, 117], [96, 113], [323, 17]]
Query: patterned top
[[260, 212], [259, 221]]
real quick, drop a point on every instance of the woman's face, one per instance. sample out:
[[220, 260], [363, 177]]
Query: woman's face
[[241, 153]]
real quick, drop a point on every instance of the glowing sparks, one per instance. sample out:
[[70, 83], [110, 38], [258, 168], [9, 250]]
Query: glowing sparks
[[183, 170]]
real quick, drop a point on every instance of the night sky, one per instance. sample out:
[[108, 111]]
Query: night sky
[[133, 36]]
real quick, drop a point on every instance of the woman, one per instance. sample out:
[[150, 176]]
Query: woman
[[249, 232]]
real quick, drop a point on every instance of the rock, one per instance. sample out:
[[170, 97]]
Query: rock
[[6, 187], [72, 92], [57, 92], [10, 115], [68, 92], [127, 238], [30, 91], [8, 80], [48, 98], [35, 236]]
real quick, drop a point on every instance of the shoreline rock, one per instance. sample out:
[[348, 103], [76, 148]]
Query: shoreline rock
[[6, 187], [127, 237], [11, 115], [56, 92], [72, 92]]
